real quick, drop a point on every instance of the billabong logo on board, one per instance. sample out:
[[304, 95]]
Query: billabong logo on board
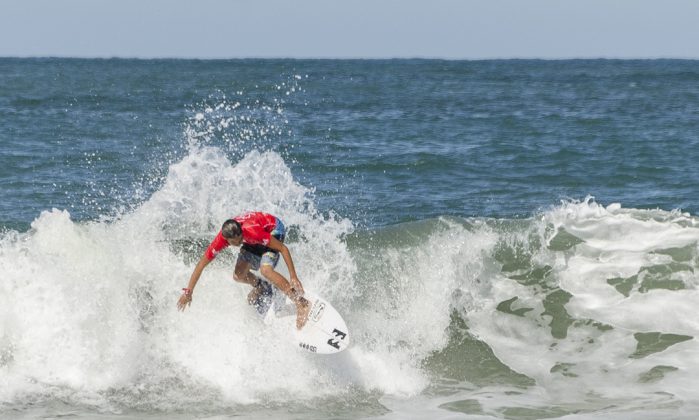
[[340, 335]]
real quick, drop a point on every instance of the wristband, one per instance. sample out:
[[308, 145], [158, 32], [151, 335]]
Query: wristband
[[187, 292]]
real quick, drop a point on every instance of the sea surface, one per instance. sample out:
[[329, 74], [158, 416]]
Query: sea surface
[[513, 239]]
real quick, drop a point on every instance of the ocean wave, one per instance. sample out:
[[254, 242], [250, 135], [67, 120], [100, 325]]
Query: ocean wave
[[578, 301]]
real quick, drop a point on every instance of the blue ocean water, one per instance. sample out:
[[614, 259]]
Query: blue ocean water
[[508, 238], [380, 141]]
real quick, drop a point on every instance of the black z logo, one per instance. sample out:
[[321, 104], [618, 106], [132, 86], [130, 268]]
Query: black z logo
[[338, 334]]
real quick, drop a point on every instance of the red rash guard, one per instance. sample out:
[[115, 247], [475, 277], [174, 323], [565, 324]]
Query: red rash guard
[[257, 228]]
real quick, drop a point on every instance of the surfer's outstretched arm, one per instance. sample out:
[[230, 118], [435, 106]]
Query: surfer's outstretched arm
[[186, 298]]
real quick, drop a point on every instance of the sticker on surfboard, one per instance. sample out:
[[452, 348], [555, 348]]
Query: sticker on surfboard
[[325, 332]]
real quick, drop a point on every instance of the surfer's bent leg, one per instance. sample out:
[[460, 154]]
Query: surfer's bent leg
[[268, 263], [242, 273], [247, 261]]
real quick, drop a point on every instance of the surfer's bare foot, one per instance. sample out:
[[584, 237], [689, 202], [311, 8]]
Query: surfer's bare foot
[[254, 294], [302, 309]]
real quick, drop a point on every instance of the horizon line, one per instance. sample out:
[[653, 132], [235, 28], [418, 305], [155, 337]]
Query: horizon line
[[350, 58]]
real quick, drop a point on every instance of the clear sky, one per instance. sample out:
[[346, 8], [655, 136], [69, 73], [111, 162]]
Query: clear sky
[[452, 29]]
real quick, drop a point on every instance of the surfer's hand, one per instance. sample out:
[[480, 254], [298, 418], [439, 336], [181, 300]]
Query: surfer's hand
[[296, 286], [296, 295], [302, 309], [184, 301]]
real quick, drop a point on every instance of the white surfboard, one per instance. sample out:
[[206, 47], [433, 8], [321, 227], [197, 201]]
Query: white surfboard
[[325, 332]]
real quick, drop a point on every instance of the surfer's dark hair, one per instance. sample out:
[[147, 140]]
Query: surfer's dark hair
[[231, 229]]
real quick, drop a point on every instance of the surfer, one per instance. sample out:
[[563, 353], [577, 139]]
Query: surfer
[[261, 238]]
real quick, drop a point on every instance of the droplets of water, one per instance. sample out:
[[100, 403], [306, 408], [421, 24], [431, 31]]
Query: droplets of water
[[244, 120]]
